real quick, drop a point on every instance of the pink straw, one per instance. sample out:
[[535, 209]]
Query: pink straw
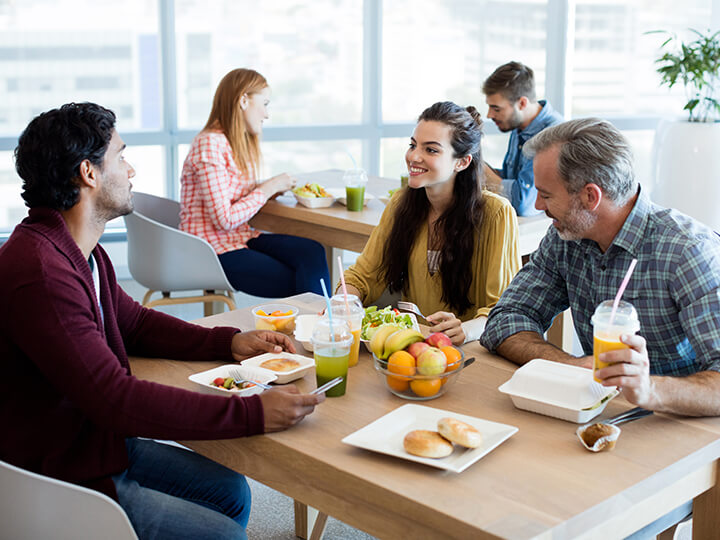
[[621, 290], [342, 281]]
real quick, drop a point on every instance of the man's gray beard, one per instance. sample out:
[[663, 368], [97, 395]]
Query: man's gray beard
[[581, 221]]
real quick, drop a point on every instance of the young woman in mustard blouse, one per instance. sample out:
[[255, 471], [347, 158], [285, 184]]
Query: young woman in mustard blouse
[[443, 242]]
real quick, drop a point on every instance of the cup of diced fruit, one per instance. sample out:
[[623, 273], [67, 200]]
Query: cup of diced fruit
[[277, 317]]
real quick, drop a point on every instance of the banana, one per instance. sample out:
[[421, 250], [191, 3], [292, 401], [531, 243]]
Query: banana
[[397, 341], [377, 343]]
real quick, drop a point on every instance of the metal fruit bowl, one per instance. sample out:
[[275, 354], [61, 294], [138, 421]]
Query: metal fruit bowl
[[418, 387]]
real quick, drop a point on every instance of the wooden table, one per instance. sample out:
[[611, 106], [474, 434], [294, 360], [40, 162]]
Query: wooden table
[[541, 483]]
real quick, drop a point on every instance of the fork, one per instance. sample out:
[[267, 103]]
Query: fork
[[409, 306], [235, 374]]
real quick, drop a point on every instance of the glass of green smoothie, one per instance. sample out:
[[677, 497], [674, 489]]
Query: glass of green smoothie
[[355, 181], [331, 349]]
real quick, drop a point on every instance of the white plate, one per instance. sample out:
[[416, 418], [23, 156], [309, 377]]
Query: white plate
[[415, 325], [306, 364], [315, 202], [205, 379], [385, 435], [339, 194]]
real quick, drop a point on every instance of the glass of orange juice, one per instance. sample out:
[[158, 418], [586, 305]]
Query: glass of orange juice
[[352, 314], [606, 334]]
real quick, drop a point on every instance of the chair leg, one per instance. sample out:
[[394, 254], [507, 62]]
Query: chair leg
[[208, 308], [147, 296], [207, 298]]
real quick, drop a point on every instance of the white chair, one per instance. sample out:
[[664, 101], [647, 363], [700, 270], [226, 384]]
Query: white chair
[[163, 258], [34, 506]]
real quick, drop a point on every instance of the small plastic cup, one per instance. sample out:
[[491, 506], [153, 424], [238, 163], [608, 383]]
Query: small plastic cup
[[606, 336], [331, 350], [353, 317], [355, 181]]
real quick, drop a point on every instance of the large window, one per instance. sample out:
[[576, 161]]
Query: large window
[[613, 61], [310, 52], [435, 51], [349, 77]]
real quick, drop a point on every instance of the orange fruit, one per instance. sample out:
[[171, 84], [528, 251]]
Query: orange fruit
[[402, 363], [399, 384], [261, 313], [426, 387], [453, 356]]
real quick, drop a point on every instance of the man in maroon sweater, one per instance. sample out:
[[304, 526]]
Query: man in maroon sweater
[[69, 406]]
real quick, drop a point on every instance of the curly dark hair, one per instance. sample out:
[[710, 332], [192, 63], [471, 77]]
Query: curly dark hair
[[52, 147], [456, 226]]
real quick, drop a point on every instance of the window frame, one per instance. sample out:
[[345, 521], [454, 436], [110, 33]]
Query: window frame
[[372, 130]]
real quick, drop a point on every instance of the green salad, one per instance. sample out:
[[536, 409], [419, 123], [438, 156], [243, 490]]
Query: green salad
[[375, 318]]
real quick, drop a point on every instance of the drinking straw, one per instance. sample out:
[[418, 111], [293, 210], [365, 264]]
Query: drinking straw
[[327, 301], [344, 288], [351, 158], [621, 290]]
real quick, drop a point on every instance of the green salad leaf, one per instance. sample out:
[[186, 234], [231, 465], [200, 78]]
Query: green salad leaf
[[375, 318]]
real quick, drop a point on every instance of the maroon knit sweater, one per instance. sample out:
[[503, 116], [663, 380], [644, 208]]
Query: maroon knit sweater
[[67, 397]]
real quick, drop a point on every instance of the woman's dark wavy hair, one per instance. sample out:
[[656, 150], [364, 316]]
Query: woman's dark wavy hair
[[52, 147], [456, 227]]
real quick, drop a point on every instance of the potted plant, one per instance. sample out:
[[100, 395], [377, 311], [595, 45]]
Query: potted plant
[[686, 158]]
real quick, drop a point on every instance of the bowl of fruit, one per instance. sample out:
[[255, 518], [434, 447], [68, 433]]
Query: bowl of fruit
[[278, 317], [412, 367]]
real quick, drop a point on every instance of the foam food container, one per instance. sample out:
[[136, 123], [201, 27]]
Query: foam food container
[[559, 390], [205, 379], [315, 202], [306, 364], [303, 330]]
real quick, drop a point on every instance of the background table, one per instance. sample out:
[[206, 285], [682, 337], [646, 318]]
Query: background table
[[541, 483]]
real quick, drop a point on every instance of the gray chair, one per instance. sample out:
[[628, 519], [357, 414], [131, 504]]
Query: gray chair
[[163, 258], [35, 506]]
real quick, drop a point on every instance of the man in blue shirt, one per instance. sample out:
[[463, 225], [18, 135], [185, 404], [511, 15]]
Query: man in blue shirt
[[602, 220], [510, 96]]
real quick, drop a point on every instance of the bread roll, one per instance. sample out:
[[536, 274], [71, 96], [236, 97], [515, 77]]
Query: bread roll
[[425, 443], [459, 432], [280, 364]]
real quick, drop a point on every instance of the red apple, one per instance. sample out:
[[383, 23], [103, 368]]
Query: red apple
[[416, 349], [432, 362], [438, 339]]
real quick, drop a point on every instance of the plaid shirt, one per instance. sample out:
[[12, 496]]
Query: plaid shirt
[[216, 200], [674, 288]]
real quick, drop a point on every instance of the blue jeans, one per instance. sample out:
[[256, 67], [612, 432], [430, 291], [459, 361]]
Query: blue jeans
[[277, 265], [169, 492]]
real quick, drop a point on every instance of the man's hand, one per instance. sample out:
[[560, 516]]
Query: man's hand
[[246, 344], [629, 370], [449, 324], [493, 181], [286, 406]]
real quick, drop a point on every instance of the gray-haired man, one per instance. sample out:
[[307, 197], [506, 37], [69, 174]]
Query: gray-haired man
[[602, 220]]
